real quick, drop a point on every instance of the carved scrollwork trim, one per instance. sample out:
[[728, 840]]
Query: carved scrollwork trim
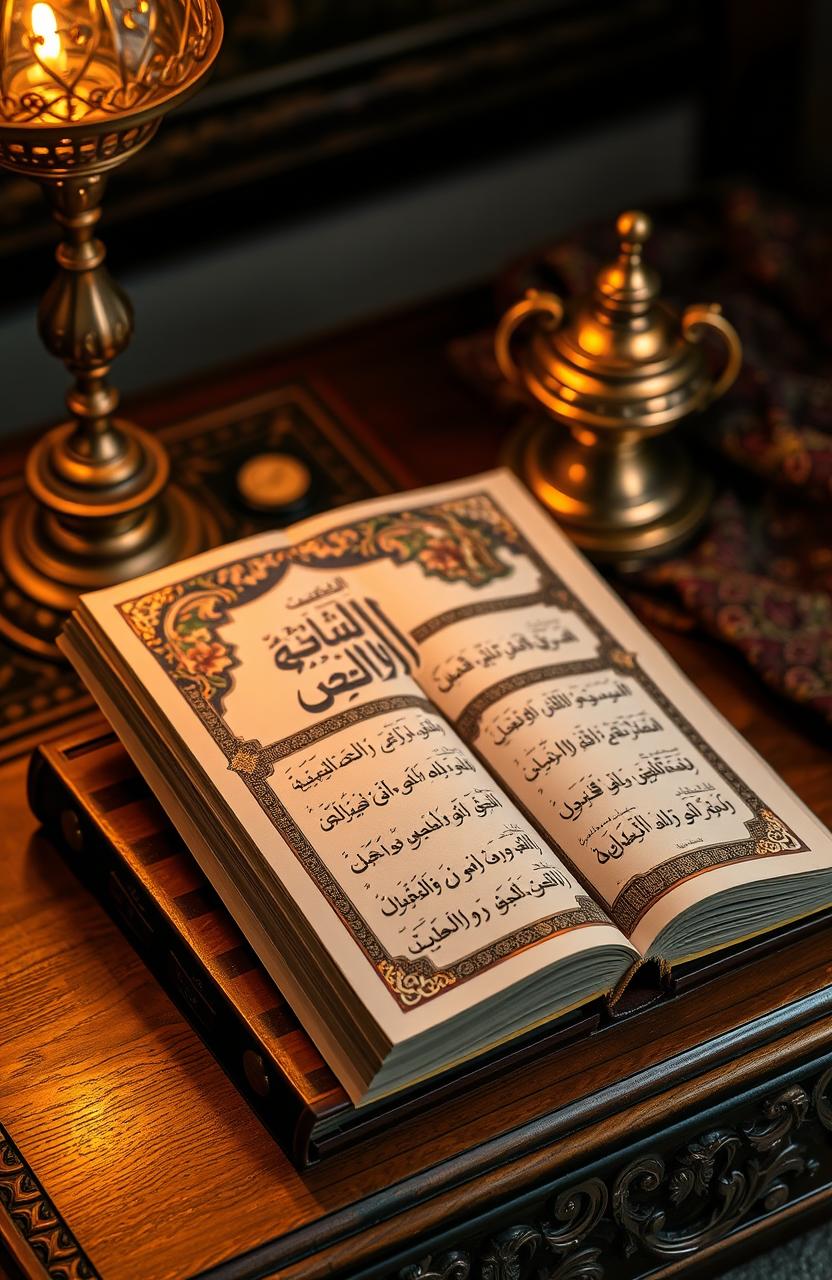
[[37, 1221], [552, 1247], [504, 1257], [575, 1212], [665, 1204], [455, 1265], [712, 1183]]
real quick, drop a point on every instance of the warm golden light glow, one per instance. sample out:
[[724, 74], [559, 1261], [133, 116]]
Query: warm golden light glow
[[592, 339], [46, 40], [85, 62]]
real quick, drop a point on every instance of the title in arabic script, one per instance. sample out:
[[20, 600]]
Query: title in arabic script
[[336, 648]]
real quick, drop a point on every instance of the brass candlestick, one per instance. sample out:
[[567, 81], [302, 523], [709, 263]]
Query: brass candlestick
[[614, 374], [83, 85]]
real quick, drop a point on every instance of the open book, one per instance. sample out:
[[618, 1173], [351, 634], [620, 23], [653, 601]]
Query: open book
[[446, 783]]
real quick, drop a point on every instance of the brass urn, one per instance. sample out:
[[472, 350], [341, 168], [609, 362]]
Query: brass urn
[[614, 373]]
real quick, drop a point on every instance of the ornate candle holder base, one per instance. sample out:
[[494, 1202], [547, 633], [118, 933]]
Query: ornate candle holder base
[[89, 521], [218, 461], [98, 510], [623, 506]]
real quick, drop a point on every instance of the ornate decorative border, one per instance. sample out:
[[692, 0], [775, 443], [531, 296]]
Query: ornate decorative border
[[467, 722], [476, 610], [335, 724], [40, 1226], [767, 833], [454, 541], [458, 540], [659, 1207]]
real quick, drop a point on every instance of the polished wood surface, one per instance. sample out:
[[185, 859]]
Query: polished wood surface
[[156, 1162]]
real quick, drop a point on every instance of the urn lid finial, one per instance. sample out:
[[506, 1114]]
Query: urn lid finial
[[628, 286]]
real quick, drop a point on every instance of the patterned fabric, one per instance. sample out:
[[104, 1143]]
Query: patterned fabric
[[760, 577]]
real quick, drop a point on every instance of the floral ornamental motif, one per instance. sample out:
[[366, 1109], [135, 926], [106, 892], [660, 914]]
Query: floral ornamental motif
[[144, 613], [244, 760], [444, 547], [206, 658], [622, 660], [445, 541], [412, 988], [508, 1254], [776, 836], [189, 644], [180, 623], [478, 508], [713, 1183], [551, 1248], [576, 1212]]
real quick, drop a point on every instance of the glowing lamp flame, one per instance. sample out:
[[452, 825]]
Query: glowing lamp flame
[[45, 31]]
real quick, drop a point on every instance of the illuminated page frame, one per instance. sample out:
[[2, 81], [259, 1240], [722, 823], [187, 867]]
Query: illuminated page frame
[[474, 529]]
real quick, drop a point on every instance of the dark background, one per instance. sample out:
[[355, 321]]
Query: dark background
[[352, 155]]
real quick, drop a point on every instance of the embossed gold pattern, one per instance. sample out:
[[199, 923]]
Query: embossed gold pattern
[[244, 761], [412, 988]]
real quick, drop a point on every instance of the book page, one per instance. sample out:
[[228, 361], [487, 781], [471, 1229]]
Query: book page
[[420, 852], [460, 734], [645, 790], [284, 666]]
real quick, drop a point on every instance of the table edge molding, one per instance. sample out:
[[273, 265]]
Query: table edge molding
[[32, 1230]]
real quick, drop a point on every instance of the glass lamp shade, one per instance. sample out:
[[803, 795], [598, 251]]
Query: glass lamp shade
[[83, 66]]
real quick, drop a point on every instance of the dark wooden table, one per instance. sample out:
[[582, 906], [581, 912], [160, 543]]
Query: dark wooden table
[[705, 1124]]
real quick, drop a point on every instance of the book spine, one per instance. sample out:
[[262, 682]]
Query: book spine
[[179, 971], [644, 984]]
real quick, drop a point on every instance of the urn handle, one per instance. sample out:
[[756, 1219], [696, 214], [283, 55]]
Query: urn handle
[[534, 303], [694, 322]]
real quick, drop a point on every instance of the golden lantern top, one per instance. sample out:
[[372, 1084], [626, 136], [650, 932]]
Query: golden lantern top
[[71, 66], [621, 357]]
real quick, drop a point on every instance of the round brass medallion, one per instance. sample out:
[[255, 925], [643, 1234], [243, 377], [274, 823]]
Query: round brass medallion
[[273, 481]]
